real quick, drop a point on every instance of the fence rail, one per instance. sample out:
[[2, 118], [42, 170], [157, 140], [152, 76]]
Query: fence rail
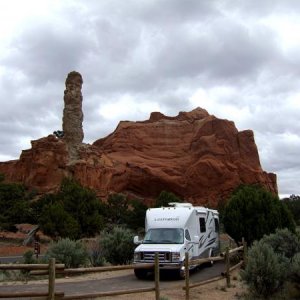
[[58, 295], [71, 271], [223, 256], [29, 266], [52, 269]]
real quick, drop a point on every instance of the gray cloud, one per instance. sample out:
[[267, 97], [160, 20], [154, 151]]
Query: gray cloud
[[171, 55], [43, 54]]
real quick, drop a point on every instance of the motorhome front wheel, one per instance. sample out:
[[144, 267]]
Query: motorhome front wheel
[[140, 273]]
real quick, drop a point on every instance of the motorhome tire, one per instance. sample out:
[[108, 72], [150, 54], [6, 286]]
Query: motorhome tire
[[180, 274], [211, 254], [140, 273]]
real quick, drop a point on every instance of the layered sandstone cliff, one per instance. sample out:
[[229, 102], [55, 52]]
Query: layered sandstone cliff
[[195, 155]]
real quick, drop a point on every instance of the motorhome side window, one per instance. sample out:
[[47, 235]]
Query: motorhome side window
[[216, 225], [187, 235], [202, 224]]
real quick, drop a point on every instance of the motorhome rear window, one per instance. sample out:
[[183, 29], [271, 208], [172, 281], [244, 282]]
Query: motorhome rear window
[[202, 224]]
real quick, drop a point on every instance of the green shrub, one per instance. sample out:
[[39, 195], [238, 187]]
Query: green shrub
[[96, 256], [283, 242], [266, 271], [252, 212], [117, 245], [71, 253], [83, 205], [116, 208], [37, 207], [15, 205], [4, 275], [28, 257], [135, 217], [119, 210], [293, 203], [165, 198], [72, 212], [295, 271], [56, 222]]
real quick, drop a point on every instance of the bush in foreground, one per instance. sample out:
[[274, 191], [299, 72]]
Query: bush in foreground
[[274, 263], [295, 272], [117, 245], [71, 253], [266, 271], [96, 257], [283, 242]]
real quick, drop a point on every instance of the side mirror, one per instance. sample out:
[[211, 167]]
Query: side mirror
[[136, 240]]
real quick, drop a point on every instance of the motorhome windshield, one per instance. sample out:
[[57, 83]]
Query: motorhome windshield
[[164, 236]]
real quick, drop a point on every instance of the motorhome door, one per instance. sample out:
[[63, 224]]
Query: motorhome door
[[191, 246]]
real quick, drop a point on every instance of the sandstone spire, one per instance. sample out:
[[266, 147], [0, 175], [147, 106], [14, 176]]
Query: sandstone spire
[[73, 115]]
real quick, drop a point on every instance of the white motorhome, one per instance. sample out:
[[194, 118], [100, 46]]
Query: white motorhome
[[173, 231]]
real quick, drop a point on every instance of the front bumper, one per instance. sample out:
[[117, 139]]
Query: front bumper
[[162, 265]]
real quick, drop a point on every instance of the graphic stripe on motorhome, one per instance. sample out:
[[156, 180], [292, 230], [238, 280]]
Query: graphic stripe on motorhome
[[211, 241], [203, 242], [207, 217], [201, 239]]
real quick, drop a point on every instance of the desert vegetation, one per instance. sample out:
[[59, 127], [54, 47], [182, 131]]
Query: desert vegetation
[[273, 267], [15, 204], [74, 212], [293, 203], [251, 212], [69, 252]]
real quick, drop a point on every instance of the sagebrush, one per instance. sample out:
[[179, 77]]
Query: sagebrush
[[117, 245], [71, 253]]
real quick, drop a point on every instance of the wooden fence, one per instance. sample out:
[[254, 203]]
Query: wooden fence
[[223, 256], [52, 269]]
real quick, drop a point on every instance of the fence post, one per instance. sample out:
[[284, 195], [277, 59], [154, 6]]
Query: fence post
[[51, 284], [227, 262], [156, 274], [187, 276], [245, 252]]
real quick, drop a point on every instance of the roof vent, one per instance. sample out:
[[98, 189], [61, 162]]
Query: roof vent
[[178, 204]]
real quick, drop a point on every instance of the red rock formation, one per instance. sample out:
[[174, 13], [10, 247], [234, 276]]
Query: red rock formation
[[195, 155], [42, 167], [73, 115]]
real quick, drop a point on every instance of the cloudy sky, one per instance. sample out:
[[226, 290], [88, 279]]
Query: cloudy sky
[[239, 60]]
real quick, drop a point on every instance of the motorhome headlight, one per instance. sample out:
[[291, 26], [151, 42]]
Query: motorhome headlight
[[137, 256], [175, 256]]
